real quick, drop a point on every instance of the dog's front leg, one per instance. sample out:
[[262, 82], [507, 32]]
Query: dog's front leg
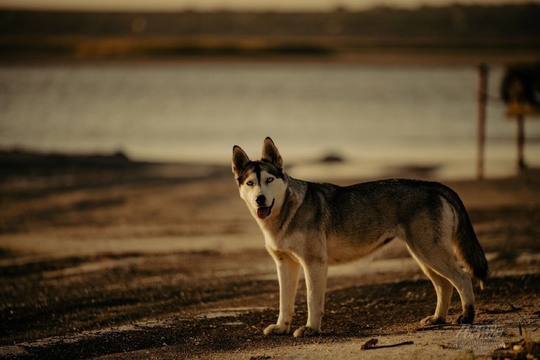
[[316, 273], [288, 271]]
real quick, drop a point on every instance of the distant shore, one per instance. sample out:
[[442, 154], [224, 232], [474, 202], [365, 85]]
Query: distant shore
[[452, 34], [35, 49]]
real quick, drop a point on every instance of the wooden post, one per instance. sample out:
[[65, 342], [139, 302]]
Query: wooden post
[[521, 166], [483, 71]]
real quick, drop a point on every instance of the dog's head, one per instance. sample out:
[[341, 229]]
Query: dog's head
[[262, 183]]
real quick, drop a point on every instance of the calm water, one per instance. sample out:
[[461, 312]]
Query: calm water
[[374, 116]]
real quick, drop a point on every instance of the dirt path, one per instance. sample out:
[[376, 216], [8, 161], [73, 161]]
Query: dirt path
[[165, 262]]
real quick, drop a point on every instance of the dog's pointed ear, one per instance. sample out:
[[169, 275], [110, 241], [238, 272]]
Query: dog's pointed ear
[[270, 153], [239, 159]]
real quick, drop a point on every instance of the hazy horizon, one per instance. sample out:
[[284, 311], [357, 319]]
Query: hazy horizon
[[280, 5]]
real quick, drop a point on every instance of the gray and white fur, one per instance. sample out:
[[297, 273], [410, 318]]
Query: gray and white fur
[[312, 225]]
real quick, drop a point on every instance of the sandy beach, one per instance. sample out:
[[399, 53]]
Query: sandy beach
[[101, 257]]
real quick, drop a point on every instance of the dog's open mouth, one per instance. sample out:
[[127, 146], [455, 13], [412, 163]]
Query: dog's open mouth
[[264, 211]]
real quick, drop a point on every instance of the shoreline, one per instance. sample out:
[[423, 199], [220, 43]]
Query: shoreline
[[325, 167]]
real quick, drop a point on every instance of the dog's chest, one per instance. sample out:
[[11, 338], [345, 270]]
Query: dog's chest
[[278, 242], [272, 241]]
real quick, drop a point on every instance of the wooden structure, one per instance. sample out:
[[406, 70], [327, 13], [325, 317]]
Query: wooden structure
[[520, 90], [483, 72]]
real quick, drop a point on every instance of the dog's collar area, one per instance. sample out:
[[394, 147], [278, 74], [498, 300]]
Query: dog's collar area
[[264, 211]]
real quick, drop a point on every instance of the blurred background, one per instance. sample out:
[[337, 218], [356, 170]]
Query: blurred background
[[121, 232], [347, 88]]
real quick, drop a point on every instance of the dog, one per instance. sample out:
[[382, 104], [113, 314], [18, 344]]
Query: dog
[[312, 225]]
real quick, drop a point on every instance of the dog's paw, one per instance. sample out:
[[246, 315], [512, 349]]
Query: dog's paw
[[305, 331], [276, 329], [467, 317], [432, 320]]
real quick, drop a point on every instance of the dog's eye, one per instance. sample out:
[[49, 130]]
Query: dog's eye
[[249, 183], [269, 180]]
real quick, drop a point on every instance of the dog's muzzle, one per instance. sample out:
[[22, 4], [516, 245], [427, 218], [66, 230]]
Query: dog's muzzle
[[264, 211]]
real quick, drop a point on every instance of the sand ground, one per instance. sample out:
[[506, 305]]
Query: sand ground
[[118, 260]]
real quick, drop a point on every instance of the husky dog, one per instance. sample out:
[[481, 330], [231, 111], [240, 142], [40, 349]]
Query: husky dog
[[312, 225]]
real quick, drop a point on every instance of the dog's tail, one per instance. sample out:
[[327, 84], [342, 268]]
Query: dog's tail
[[466, 244]]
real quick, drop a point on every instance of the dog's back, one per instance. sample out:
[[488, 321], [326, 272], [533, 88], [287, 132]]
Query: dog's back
[[365, 216]]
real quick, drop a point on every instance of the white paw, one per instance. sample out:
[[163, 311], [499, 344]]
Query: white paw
[[432, 320], [276, 329], [305, 331]]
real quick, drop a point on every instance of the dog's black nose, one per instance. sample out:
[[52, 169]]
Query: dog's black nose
[[261, 200]]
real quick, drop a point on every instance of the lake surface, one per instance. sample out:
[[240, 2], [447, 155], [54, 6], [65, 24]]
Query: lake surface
[[375, 117]]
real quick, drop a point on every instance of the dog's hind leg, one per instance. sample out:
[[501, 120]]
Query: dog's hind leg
[[288, 270], [444, 290], [433, 248], [440, 264]]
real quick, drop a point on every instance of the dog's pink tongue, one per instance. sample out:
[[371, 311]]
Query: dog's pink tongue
[[263, 212]]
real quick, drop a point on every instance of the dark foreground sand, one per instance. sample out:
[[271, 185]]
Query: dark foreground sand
[[111, 259]]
